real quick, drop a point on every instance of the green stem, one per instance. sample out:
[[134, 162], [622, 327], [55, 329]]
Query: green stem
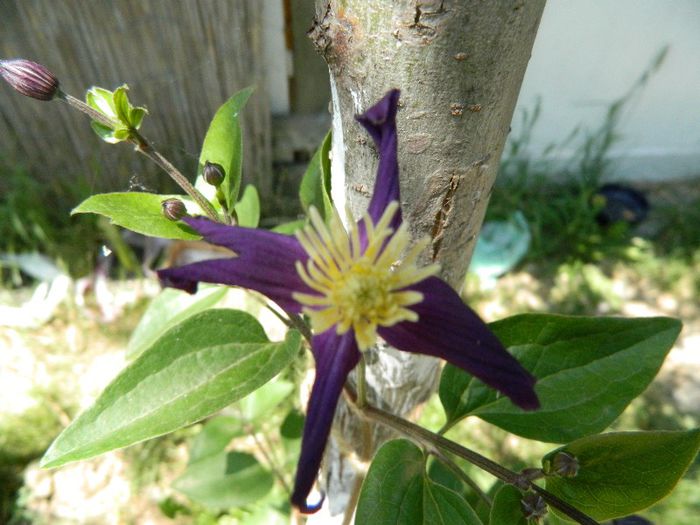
[[361, 383], [142, 146], [433, 441], [447, 426], [301, 325], [278, 463], [563, 506], [270, 462], [82, 106], [354, 498]]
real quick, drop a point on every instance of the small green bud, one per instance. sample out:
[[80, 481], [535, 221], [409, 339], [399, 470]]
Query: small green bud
[[564, 465], [29, 78], [533, 506], [213, 173], [174, 209]]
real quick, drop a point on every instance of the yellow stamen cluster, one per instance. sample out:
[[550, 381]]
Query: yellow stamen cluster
[[360, 289]]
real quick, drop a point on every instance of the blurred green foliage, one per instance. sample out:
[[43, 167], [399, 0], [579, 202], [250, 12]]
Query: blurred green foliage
[[35, 217]]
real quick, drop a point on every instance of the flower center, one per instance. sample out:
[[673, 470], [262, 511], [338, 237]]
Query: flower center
[[360, 285]]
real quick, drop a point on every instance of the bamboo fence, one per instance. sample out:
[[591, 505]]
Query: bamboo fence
[[181, 59]]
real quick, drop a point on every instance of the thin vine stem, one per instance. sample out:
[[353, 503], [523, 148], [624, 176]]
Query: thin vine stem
[[269, 459], [297, 321], [82, 106], [361, 382], [354, 498], [274, 456], [145, 148], [434, 442]]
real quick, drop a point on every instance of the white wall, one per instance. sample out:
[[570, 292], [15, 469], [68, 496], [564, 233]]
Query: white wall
[[277, 59], [589, 52]]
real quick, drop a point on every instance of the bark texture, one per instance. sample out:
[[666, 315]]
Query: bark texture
[[459, 65]]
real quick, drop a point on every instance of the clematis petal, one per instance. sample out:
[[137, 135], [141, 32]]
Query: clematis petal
[[245, 241], [265, 262], [335, 355], [449, 329], [380, 123]]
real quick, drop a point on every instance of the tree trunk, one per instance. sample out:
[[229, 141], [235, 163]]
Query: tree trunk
[[459, 65]]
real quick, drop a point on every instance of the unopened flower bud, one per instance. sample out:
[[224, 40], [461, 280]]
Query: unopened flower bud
[[29, 78], [174, 209], [533, 506], [565, 465], [213, 173]]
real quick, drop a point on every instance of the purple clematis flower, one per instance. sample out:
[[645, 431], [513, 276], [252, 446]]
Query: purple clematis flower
[[355, 287]]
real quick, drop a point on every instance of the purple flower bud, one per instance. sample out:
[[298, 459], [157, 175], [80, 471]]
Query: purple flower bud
[[174, 209], [29, 78], [213, 173]]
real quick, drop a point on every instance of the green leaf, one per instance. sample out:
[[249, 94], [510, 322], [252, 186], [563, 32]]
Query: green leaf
[[101, 100], [104, 132], [225, 480], [291, 431], [554, 519], [136, 116], [121, 104], [116, 107], [623, 472], [248, 208], [259, 404], [483, 509], [169, 308], [398, 491], [315, 188], [507, 509], [439, 473], [223, 145], [207, 362], [215, 436], [293, 425], [139, 212], [588, 370], [441, 506], [171, 508], [121, 134], [289, 228]]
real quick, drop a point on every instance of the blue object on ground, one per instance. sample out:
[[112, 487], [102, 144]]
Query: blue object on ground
[[500, 247]]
